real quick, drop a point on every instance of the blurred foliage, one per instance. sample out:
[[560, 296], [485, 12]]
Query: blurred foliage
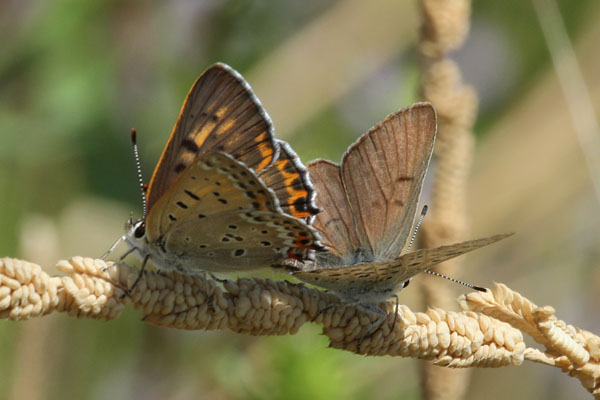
[[76, 76]]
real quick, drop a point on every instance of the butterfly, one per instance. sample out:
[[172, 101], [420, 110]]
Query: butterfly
[[225, 195], [368, 211]]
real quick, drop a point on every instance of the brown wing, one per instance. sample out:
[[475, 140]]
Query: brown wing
[[377, 281], [219, 113], [335, 221], [289, 179], [410, 264], [383, 174]]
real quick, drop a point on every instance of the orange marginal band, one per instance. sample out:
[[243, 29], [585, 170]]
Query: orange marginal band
[[266, 150], [294, 189]]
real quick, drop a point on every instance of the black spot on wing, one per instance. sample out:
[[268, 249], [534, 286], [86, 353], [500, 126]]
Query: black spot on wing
[[300, 204], [189, 145], [192, 195]]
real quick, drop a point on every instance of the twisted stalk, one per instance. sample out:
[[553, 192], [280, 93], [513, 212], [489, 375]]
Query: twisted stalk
[[488, 332]]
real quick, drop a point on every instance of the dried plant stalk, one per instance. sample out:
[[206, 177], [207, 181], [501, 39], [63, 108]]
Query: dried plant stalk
[[487, 333], [445, 24], [575, 351]]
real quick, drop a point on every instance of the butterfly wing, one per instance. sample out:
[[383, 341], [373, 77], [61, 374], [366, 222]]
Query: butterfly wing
[[335, 222], [410, 264], [219, 113], [383, 174], [377, 281], [289, 179], [219, 216], [248, 240]]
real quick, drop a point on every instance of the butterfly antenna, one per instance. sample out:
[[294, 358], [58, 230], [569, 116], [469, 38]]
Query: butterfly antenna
[[412, 240], [479, 288], [414, 235], [138, 166]]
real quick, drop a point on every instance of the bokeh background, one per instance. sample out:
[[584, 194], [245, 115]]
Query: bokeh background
[[76, 76]]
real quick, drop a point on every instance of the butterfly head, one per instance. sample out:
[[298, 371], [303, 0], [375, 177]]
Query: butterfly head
[[136, 229]]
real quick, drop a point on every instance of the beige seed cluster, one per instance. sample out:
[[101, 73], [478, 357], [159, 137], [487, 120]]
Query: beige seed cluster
[[575, 351], [26, 291], [453, 339]]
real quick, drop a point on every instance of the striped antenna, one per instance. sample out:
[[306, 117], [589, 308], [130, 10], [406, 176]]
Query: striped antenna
[[412, 240], [479, 288], [416, 230], [138, 166]]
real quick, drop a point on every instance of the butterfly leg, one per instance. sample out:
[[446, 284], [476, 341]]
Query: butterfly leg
[[131, 249], [321, 311], [395, 311], [210, 299], [128, 252], [214, 277], [112, 248], [374, 326], [137, 280]]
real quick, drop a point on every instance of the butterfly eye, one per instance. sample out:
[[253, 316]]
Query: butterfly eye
[[139, 231]]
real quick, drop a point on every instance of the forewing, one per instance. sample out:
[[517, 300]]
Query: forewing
[[383, 175], [335, 221], [367, 280], [220, 113], [289, 179], [410, 264], [213, 184]]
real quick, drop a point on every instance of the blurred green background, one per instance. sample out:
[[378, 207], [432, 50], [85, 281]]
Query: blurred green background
[[75, 77]]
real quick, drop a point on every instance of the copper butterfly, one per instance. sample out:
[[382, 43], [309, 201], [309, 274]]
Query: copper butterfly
[[369, 204], [225, 194]]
